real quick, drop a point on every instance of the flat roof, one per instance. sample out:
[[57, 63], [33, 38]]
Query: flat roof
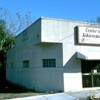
[[58, 19]]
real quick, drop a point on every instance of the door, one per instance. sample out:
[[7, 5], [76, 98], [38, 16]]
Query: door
[[90, 73]]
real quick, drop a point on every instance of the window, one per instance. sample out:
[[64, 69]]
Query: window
[[25, 37], [12, 64], [49, 62], [26, 64]]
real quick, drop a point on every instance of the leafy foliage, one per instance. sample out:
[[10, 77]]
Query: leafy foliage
[[9, 28], [6, 41]]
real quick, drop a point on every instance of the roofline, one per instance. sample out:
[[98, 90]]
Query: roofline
[[69, 20], [28, 27], [57, 20]]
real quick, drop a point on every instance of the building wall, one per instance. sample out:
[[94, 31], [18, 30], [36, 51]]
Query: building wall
[[34, 75], [48, 39]]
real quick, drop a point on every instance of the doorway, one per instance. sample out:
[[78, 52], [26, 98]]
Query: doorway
[[90, 73]]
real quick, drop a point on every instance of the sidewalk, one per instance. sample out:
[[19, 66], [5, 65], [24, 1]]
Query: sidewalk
[[58, 96], [81, 94]]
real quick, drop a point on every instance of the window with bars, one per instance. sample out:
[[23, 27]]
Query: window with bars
[[26, 64], [49, 62]]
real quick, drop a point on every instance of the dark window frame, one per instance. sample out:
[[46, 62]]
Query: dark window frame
[[49, 63], [26, 64]]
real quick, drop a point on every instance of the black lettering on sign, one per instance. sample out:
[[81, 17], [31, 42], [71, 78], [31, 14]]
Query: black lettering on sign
[[91, 30]]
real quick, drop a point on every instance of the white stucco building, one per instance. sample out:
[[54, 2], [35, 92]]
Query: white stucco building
[[56, 55]]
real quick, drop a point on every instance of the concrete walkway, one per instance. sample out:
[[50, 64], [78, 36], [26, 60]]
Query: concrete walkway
[[58, 96], [83, 94]]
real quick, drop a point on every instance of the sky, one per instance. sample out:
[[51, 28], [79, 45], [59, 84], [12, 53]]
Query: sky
[[79, 10]]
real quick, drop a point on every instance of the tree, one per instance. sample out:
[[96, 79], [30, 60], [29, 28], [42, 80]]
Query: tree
[[6, 41], [98, 19], [2, 33], [9, 28], [15, 23]]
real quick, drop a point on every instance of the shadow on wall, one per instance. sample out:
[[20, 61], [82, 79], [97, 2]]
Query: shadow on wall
[[75, 35], [53, 78], [72, 74], [57, 79], [73, 65]]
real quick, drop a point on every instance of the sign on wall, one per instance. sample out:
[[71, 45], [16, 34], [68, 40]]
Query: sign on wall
[[24, 36], [88, 35]]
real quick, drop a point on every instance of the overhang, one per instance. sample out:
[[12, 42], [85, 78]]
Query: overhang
[[88, 55]]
